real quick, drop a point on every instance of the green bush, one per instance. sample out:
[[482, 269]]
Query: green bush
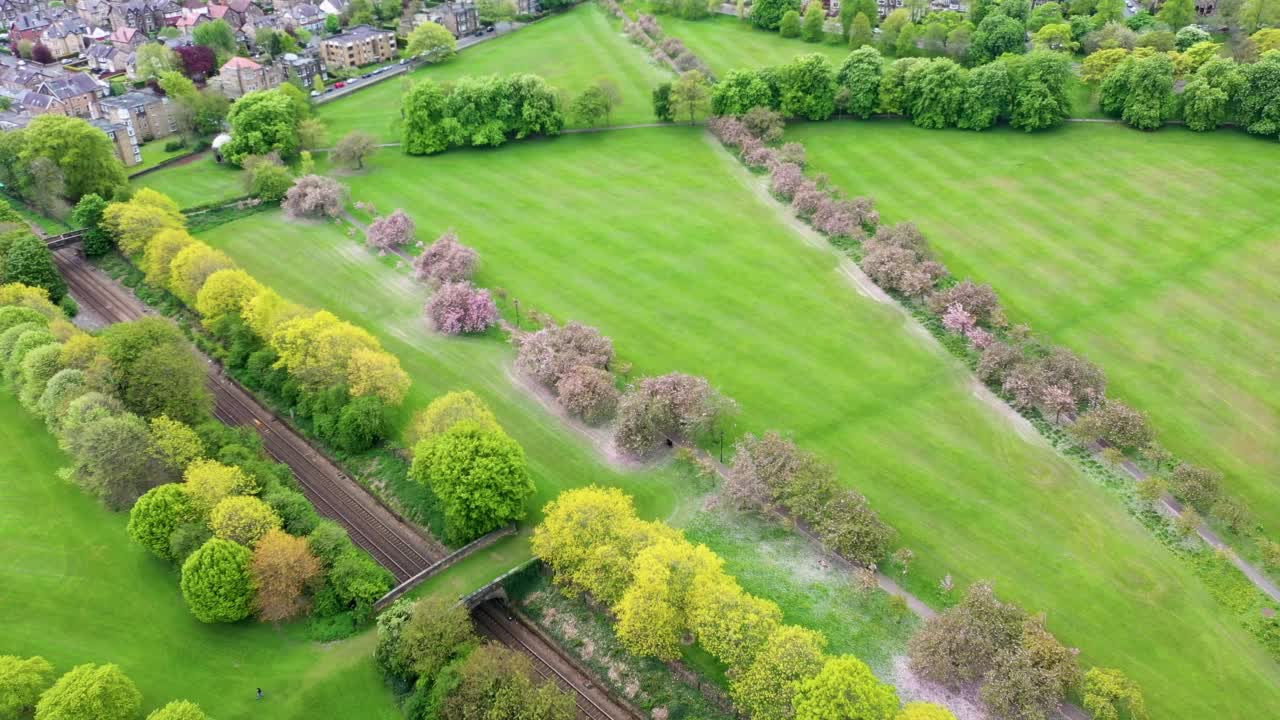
[[362, 423], [175, 145], [480, 476], [158, 514], [21, 682], [101, 692], [294, 509], [789, 27]]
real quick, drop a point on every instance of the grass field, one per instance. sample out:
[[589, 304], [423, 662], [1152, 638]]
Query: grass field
[[1159, 263], [571, 51], [725, 43], [199, 181], [76, 590], [694, 273]]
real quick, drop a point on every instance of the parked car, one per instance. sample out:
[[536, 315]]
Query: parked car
[[340, 84], [315, 93]]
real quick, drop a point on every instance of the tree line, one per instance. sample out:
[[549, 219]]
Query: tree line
[[102, 692], [663, 590], [478, 112], [1030, 373], [131, 408]]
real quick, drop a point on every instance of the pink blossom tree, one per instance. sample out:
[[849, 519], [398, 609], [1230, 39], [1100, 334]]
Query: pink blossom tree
[[957, 320], [588, 393], [670, 408], [787, 178], [1057, 400], [758, 156], [314, 196], [979, 300], [390, 232], [445, 260], [550, 353], [808, 198], [460, 307], [979, 338], [792, 152]]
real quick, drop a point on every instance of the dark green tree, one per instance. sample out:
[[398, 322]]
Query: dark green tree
[[768, 14], [29, 261], [88, 215]]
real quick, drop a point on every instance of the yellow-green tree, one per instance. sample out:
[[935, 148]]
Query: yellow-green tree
[[654, 613], [243, 519], [765, 691], [1100, 63], [589, 537], [225, 292], [134, 223], [1109, 694], [446, 411], [192, 266], [160, 252], [730, 623], [175, 443], [209, 482], [267, 311], [377, 373], [845, 689], [316, 349]]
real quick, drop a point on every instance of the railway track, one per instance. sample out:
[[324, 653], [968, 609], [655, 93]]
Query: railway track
[[594, 702], [391, 541]]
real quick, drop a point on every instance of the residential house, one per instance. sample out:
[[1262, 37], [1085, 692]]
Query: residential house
[[459, 18], [104, 58], [144, 15], [333, 7], [95, 13], [235, 12], [127, 39], [75, 94], [240, 76], [147, 112], [65, 36], [301, 69], [358, 46], [309, 17], [11, 9], [533, 7], [190, 18], [28, 26], [123, 138]]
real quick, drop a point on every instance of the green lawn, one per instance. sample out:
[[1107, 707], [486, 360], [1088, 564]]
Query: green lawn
[[198, 181], [1153, 254], [726, 43], [77, 590], [153, 153], [686, 270], [571, 51]]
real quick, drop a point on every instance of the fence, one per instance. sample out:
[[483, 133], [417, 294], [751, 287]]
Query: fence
[[444, 564]]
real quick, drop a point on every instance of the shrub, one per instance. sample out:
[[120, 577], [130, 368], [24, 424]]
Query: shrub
[[269, 182], [446, 411], [789, 26], [243, 519], [101, 692], [157, 514], [329, 541], [459, 307], [217, 583], [980, 301], [588, 393], [444, 261], [1110, 694], [358, 582], [550, 353], [765, 123], [786, 179]]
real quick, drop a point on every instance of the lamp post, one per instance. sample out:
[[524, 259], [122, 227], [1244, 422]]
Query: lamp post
[[516, 303]]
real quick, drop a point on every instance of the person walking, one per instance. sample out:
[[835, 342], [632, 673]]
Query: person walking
[[259, 693]]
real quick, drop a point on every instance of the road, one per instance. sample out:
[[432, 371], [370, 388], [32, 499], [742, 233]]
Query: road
[[394, 543]]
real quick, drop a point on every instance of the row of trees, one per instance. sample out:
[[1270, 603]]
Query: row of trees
[[131, 408], [478, 112], [1031, 374], [1029, 91], [102, 692], [429, 651], [1021, 669], [663, 589], [328, 371], [1138, 87]]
